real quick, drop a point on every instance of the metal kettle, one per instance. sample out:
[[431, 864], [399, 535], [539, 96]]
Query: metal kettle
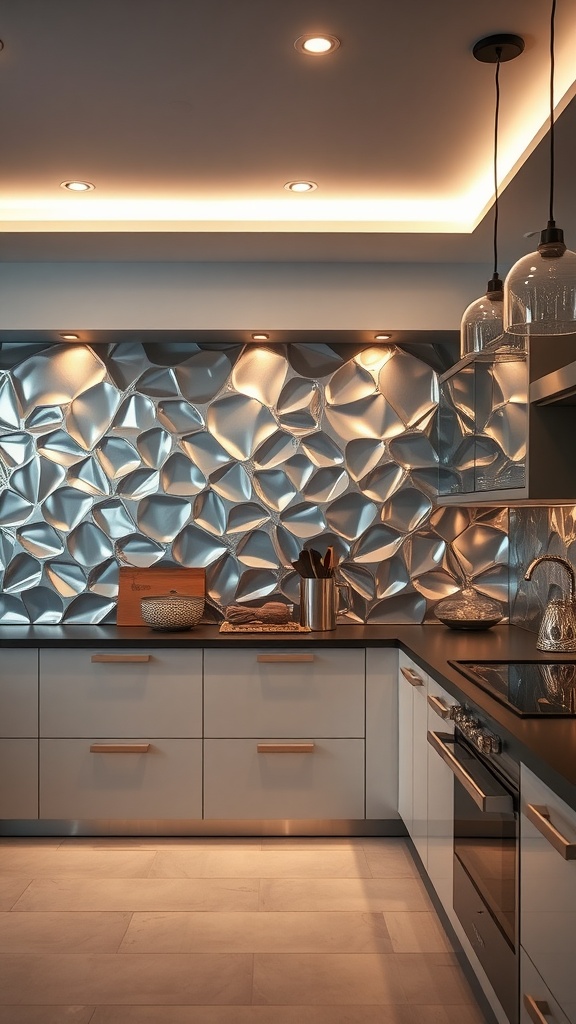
[[558, 627]]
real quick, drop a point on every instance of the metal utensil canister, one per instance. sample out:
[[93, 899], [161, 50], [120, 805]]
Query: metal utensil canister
[[319, 602]]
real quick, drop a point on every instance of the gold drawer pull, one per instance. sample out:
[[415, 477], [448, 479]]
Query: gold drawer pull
[[537, 1009], [413, 678], [279, 658], [119, 748], [285, 748], [119, 658], [438, 706], [540, 817]]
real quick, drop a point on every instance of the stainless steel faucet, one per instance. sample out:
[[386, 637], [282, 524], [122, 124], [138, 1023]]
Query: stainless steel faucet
[[558, 627]]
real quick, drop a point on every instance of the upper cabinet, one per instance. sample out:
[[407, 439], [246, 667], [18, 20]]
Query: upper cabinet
[[495, 443]]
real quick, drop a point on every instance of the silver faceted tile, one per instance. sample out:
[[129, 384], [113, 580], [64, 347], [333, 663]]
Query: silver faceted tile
[[255, 584], [180, 476], [23, 572], [304, 520], [67, 579], [275, 450], [363, 455], [240, 424], [12, 611], [369, 417], [232, 482], [134, 549], [90, 415], [88, 476], [88, 545], [44, 418], [413, 450], [260, 373], [300, 406], [402, 608], [406, 510], [154, 447], [37, 479], [124, 363], [256, 550], [139, 484], [377, 543], [40, 540], [480, 547], [158, 383], [314, 360], [326, 485], [135, 415], [205, 452], [162, 517], [424, 554], [43, 606], [103, 579], [195, 547], [411, 385], [392, 577], [57, 376], [179, 417], [222, 579], [89, 608], [210, 513], [9, 412], [14, 510], [203, 375], [59, 447], [322, 450], [113, 519], [66, 507], [359, 578], [274, 488], [117, 457], [16, 448], [351, 515], [246, 517], [349, 384]]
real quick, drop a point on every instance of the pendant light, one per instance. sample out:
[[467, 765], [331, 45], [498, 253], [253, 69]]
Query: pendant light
[[540, 290], [483, 320]]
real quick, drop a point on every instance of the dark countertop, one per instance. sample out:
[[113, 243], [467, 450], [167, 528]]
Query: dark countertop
[[547, 746]]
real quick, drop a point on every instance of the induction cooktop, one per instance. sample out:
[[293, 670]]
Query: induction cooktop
[[532, 689]]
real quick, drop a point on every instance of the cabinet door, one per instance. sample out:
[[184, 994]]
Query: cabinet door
[[18, 692], [161, 780], [440, 799], [382, 733], [284, 693], [537, 1004], [120, 693], [548, 888], [412, 755], [271, 779], [19, 779]]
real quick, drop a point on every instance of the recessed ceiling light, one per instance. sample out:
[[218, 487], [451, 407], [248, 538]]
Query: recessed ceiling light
[[78, 186], [382, 337], [260, 337], [69, 337], [317, 45], [301, 186]]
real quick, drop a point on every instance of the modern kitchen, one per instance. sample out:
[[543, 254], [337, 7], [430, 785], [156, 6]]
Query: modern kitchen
[[287, 513]]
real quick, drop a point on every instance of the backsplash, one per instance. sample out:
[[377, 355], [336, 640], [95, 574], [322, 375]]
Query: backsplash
[[229, 458], [536, 531]]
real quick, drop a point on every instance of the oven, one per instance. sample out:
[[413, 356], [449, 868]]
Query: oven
[[485, 849]]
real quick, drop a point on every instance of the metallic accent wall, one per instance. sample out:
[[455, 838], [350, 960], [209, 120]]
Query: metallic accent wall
[[536, 531], [231, 459]]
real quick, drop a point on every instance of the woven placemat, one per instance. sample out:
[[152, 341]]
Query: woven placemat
[[264, 627]]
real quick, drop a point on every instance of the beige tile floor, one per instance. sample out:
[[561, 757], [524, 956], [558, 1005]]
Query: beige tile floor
[[221, 931]]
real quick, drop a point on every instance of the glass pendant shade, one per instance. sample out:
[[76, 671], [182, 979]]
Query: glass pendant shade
[[482, 321], [540, 291]]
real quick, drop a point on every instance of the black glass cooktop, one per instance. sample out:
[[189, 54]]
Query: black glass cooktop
[[529, 688]]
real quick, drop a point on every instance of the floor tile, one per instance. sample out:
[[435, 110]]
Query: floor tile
[[139, 894], [257, 933], [62, 933], [280, 843], [393, 1014], [46, 1014], [346, 894], [242, 863], [433, 978], [99, 978], [389, 858], [416, 933], [11, 888], [326, 979], [51, 863]]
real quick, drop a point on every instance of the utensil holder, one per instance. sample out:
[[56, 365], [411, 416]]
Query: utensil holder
[[319, 602]]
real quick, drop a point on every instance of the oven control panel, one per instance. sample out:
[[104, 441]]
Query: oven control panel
[[485, 741]]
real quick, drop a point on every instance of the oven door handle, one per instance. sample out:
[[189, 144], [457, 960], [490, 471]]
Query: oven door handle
[[486, 793]]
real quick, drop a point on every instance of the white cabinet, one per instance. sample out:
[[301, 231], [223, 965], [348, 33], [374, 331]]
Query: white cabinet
[[120, 734], [440, 799], [413, 753], [136, 693], [537, 1004], [284, 734], [18, 733], [382, 734], [548, 889]]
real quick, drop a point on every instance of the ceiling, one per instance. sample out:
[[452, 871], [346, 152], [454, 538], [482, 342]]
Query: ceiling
[[189, 116]]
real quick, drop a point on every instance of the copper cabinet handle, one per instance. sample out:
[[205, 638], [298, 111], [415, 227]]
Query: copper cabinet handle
[[438, 706], [476, 780], [285, 748], [280, 658], [537, 1009], [540, 818], [119, 748], [120, 658], [413, 678]]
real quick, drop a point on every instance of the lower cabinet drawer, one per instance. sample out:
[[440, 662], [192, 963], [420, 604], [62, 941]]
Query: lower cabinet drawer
[[19, 779], [249, 778], [537, 1004], [143, 779]]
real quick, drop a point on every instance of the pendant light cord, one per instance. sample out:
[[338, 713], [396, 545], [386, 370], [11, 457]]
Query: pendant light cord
[[496, 119], [552, 19]]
